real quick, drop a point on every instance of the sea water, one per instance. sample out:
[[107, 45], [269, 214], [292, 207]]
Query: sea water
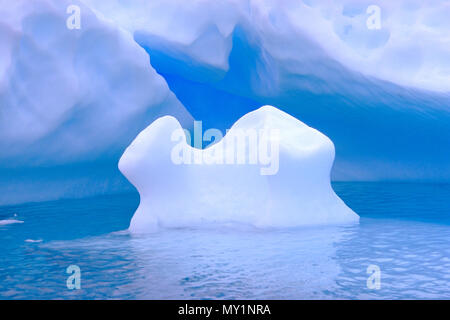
[[404, 233]]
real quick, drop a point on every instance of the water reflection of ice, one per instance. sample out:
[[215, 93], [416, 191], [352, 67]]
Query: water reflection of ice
[[211, 263], [230, 263], [414, 259]]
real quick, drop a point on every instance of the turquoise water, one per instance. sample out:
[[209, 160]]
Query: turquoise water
[[404, 230]]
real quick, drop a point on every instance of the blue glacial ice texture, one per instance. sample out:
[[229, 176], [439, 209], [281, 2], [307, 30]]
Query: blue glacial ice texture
[[382, 131]]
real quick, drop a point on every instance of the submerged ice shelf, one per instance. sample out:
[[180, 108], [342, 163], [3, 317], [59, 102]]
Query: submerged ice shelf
[[285, 183]]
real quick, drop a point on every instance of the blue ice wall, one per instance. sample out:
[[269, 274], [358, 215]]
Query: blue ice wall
[[65, 121], [381, 131]]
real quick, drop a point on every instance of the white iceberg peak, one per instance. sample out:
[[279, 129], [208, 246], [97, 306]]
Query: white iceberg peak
[[184, 186]]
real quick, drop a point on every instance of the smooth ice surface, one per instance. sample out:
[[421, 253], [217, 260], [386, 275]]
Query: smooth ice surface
[[197, 193], [70, 97]]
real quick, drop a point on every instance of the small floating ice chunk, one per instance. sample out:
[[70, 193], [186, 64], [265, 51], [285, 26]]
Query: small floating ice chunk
[[292, 189], [9, 221], [33, 241]]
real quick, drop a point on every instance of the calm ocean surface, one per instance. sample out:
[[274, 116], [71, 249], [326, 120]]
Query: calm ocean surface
[[404, 231]]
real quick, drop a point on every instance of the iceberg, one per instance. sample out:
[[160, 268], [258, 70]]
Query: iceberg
[[269, 170], [381, 93], [71, 100]]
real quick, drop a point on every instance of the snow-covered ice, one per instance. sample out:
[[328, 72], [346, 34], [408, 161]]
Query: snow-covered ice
[[85, 88], [408, 47], [173, 194], [70, 97]]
